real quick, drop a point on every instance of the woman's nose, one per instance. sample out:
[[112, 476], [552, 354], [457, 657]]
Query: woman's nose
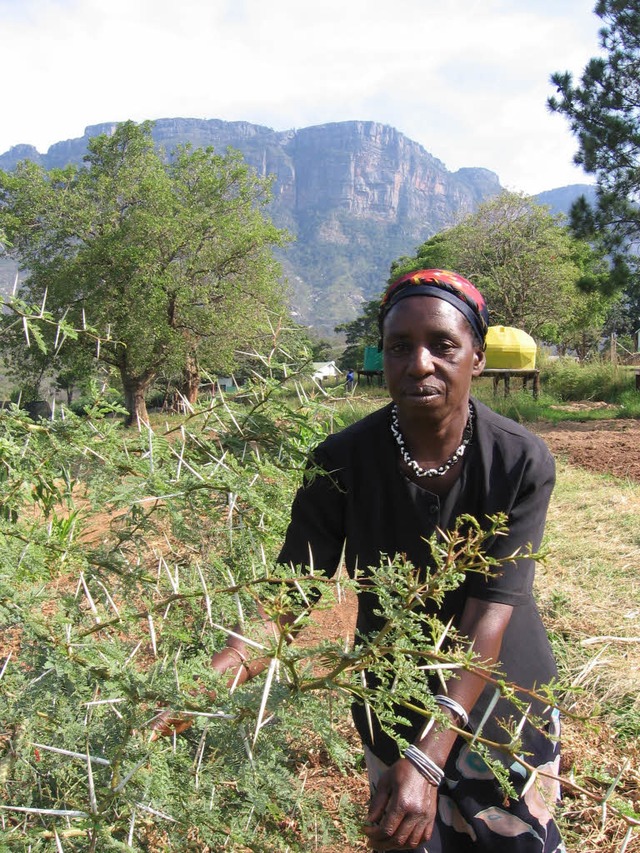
[[422, 362]]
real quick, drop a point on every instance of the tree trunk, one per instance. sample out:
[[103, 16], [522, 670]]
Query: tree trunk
[[190, 379], [134, 391]]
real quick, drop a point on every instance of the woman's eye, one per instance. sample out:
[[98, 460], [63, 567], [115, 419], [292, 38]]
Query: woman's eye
[[442, 347]]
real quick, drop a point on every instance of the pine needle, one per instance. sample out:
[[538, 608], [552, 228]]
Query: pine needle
[[51, 812], [181, 462], [253, 643], [626, 840], [489, 710], [131, 772], [156, 812], [367, 707], [131, 828], [199, 757], [57, 840], [532, 778], [152, 634], [132, 655], [109, 599], [92, 605], [207, 597]]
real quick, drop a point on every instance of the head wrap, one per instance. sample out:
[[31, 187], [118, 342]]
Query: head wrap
[[443, 284]]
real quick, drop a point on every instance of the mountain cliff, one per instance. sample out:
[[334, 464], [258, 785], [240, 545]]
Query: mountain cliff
[[355, 195]]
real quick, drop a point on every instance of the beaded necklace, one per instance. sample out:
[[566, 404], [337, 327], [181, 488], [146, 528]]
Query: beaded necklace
[[456, 456]]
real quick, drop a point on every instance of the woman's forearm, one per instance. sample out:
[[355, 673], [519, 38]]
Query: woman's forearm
[[484, 623]]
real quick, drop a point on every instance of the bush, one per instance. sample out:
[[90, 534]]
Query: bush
[[107, 616], [599, 381]]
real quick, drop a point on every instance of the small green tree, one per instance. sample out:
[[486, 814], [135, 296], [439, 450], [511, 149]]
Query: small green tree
[[169, 257], [436, 253], [530, 268]]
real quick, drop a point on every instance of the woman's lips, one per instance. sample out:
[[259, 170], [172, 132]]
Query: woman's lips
[[422, 392]]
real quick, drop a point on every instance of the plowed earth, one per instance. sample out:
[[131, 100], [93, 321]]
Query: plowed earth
[[606, 447]]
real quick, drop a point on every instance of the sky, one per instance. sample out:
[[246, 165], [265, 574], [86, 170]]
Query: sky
[[467, 79]]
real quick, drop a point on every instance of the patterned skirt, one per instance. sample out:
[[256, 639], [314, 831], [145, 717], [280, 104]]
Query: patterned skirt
[[474, 814]]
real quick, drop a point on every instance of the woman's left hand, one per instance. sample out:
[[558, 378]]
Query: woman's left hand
[[403, 809]]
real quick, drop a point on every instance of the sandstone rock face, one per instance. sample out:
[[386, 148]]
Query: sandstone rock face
[[354, 194], [372, 171]]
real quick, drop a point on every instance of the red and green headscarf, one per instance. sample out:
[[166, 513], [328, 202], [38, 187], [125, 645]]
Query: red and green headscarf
[[443, 284]]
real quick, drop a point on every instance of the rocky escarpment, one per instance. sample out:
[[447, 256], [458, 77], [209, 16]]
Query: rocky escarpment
[[354, 194]]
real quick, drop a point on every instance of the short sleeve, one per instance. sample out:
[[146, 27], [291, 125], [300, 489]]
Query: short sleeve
[[526, 518]]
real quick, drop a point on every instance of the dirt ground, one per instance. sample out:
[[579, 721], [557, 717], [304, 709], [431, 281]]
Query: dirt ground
[[607, 446]]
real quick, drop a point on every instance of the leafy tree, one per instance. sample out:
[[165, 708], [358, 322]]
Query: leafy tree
[[170, 258], [603, 110], [434, 254], [588, 311], [530, 268]]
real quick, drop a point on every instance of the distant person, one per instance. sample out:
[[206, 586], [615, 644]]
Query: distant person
[[397, 476], [349, 381]]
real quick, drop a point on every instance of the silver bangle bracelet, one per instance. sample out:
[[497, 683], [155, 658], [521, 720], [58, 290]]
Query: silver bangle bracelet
[[424, 765], [455, 707], [243, 657]]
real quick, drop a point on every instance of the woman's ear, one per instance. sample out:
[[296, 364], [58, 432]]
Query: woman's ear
[[479, 361]]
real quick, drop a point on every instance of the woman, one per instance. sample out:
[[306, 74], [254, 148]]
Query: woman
[[430, 456]]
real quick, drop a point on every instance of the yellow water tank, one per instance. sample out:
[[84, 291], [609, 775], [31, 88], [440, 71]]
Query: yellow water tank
[[510, 349]]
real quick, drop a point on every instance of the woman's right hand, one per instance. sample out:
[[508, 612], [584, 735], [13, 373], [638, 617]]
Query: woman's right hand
[[403, 809]]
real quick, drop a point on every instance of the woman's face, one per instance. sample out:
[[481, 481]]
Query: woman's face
[[430, 356]]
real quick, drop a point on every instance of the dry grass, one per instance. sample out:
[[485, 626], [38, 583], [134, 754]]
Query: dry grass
[[589, 588], [589, 593]]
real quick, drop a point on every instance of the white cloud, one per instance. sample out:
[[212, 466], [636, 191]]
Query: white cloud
[[468, 79]]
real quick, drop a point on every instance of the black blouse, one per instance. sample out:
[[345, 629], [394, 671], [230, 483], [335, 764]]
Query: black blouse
[[369, 508]]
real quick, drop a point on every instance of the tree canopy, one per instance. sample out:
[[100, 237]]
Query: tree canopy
[[168, 257], [603, 110], [528, 266]]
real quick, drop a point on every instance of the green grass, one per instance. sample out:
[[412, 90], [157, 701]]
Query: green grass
[[520, 405], [593, 536], [597, 381]]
